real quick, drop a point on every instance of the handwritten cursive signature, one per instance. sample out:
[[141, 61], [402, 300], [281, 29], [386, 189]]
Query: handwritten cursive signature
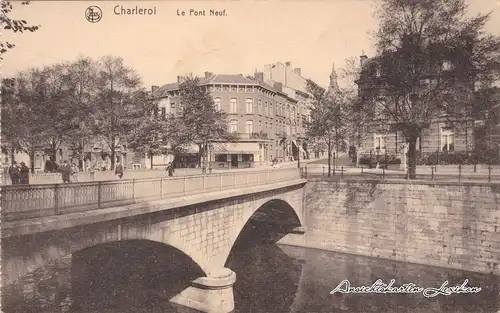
[[380, 287]]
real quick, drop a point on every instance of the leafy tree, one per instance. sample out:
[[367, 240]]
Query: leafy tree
[[430, 55], [12, 24], [20, 130], [203, 123], [118, 105], [328, 117], [328, 113], [11, 117], [82, 85], [48, 96]]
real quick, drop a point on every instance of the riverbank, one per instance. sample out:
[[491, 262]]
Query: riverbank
[[452, 225]]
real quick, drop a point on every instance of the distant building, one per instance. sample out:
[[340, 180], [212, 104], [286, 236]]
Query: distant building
[[264, 117], [293, 84]]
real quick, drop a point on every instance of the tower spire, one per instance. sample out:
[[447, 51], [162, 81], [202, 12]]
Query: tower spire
[[334, 86]]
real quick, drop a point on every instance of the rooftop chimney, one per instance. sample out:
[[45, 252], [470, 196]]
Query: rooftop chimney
[[208, 74], [259, 76], [153, 88], [278, 86], [179, 79], [297, 71]]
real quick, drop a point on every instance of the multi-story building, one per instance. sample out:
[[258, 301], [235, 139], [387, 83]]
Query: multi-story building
[[379, 137], [261, 114], [294, 85]]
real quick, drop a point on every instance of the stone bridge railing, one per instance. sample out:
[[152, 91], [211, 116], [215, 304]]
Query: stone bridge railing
[[30, 201]]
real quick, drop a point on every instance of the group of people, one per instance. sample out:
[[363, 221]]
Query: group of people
[[19, 173]]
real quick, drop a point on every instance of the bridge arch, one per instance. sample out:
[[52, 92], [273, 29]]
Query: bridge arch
[[275, 210], [51, 246]]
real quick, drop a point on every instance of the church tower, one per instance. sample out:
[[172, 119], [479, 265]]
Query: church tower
[[334, 86]]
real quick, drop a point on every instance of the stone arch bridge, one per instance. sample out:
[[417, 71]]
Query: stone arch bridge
[[204, 225]]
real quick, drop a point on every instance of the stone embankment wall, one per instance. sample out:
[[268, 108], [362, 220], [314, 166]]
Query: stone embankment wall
[[441, 224]]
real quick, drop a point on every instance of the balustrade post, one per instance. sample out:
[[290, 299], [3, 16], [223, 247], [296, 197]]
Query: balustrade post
[[459, 172], [133, 189], [220, 181], [184, 186], [56, 199], [489, 172], [99, 194], [161, 187]]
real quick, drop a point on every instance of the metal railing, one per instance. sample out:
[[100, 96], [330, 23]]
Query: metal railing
[[466, 173], [30, 201]]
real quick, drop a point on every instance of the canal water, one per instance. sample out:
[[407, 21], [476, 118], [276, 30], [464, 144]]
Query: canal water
[[270, 279]]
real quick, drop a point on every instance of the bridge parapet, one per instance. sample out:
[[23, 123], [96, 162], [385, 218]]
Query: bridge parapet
[[31, 201]]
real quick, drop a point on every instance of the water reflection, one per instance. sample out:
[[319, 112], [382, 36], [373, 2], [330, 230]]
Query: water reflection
[[132, 278]]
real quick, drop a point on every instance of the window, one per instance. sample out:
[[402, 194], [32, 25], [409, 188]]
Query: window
[[270, 127], [260, 124], [260, 106], [249, 105], [172, 105], [233, 105], [380, 142], [163, 112], [217, 102], [265, 109], [447, 140], [249, 127], [233, 126], [446, 66], [271, 113], [266, 125]]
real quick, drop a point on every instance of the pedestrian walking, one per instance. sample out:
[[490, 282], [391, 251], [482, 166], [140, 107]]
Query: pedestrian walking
[[14, 173], [119, 170], [170, 169], [65, 170], [24, 174], [74, 171]]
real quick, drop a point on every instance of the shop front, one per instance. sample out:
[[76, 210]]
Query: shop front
[[234, 160]]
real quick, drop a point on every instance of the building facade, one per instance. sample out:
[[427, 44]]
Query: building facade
[[263, 116], [295, 86], [379, 137]]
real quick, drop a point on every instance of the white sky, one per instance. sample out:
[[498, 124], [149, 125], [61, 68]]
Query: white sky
[[311, 34]]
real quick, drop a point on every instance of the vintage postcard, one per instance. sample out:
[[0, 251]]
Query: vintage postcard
[[250, 156]]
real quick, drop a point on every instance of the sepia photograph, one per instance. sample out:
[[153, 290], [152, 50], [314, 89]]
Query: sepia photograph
[[279, 156]]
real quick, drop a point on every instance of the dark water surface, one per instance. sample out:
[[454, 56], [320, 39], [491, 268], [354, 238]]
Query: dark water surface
[[142, 276]]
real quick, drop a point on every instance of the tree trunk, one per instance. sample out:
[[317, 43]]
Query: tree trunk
[[12, 154], [32, 160], [329, 156], [151, 158], [412, 157], [113, 157], [200, 154]]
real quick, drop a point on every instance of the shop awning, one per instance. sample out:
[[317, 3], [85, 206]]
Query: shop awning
[[236, 152]]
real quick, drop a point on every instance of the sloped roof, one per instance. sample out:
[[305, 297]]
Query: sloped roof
[[214, 79], [229, 79]]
